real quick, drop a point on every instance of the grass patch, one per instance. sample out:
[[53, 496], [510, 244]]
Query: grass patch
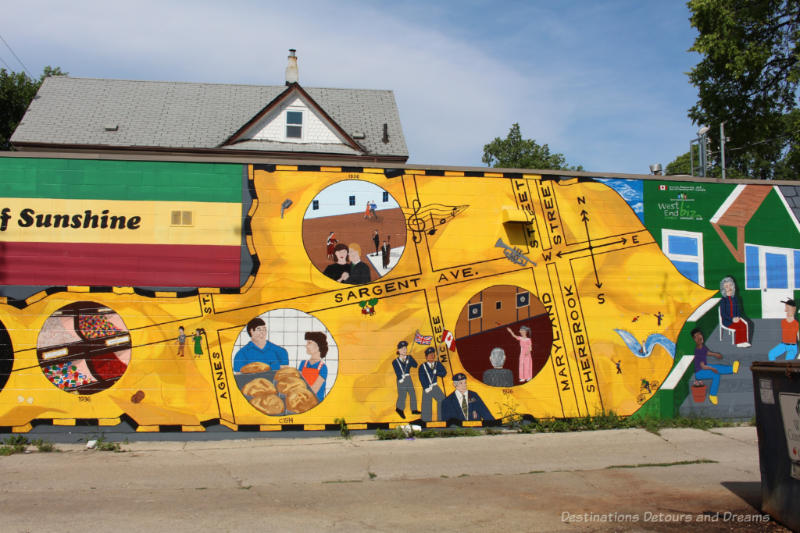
[[14, 444], [399, 434], [45, 447], [104, 445], [614, 421], [526, 424], [675, 463], [344, 431]]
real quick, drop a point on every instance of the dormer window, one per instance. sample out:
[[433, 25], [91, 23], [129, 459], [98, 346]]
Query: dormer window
[[294, 124]]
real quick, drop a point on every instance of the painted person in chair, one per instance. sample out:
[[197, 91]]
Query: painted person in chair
[[464, 404], [731, 314]]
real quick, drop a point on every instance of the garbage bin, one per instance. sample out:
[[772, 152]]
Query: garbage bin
[[776, 386]]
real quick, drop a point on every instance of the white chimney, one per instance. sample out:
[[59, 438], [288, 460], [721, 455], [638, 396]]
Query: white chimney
[[291, 69]]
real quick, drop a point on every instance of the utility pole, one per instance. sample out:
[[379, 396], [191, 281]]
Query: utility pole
[[722, 146]]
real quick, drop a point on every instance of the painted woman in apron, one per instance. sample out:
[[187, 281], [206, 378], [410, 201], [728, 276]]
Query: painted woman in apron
[[313, 369]]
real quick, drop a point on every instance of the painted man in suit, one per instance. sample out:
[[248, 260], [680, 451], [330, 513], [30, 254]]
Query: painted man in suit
[[464, 404], [402, 365], [429, 373]]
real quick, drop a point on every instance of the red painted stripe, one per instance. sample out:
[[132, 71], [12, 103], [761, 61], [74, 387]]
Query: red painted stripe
[[158, 265]]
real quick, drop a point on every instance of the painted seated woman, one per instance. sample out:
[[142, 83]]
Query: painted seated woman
[[731, 313]]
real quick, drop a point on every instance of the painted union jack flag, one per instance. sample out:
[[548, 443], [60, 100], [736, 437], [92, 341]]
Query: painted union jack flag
[[422, 339]]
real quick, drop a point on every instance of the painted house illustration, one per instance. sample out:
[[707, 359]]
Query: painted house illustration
[[772, 270]]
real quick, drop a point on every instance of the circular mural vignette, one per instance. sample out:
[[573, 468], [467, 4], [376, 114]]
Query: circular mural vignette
[[504, 336], [6, 356], [285, 362], [84, 348], [354, 232]]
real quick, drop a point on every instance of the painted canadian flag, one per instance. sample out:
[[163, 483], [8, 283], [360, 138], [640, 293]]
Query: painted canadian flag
[[449, 340]]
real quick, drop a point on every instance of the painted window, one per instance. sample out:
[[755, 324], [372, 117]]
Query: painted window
[[752, 278], [181, 218], [475, 310], [498, 305], [769, 267], [314, 205], [685, 250], [796, 268], [294, 124], [523, 299], [385, 196], [352, 200]]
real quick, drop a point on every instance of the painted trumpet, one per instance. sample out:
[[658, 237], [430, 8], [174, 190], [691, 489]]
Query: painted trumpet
[[514, 255]]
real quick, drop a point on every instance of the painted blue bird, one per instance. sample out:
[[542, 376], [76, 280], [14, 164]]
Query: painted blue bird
[[650, 342]]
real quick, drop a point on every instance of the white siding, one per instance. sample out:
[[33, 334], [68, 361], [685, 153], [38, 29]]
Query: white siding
[[273, 126]]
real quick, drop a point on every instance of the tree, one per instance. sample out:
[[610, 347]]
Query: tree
[[516, 152], [748, 78], [16, 92], [681, 165]]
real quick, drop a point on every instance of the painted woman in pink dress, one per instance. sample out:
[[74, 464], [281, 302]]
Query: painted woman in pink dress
[[525, 347]]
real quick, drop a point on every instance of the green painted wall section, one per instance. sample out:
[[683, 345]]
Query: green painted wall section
[[120, 180]]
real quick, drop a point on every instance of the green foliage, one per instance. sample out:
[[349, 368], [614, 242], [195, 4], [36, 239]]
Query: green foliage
[[14, 444], [344, 431], [104, 445], [561, 425], [748, 78], [44, 447], [680, 165], [16, 92], [400, 434], [516, 152]]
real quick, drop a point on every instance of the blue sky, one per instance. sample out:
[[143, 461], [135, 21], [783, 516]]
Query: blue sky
[[602, 82]]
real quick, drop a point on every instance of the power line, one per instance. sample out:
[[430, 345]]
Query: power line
[[17, 58], [6, 64], [755, 143]]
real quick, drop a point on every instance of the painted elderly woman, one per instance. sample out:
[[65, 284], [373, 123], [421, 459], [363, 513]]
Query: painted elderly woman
[[498, 376], [313, 369], [731, 314], [525, 347]]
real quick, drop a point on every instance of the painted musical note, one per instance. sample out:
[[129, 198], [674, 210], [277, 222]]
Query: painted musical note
[[427, 219]]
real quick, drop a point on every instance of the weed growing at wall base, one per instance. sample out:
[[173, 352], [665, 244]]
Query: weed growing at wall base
[[517, 424], [19, 444]]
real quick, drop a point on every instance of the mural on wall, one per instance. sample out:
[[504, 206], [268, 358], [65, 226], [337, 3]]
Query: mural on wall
[[742, 240], [272, 297]]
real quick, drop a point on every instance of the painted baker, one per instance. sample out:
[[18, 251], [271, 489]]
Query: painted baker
[[259, 349], [429, 373], [402, 365]]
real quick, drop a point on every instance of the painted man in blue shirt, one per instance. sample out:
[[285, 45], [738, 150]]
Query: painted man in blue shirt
[[259, 349]]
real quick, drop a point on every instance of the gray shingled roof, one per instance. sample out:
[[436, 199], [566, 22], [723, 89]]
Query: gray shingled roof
[[792, 195], [178, 115]]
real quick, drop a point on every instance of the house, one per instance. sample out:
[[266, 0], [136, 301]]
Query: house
[[202, 119]]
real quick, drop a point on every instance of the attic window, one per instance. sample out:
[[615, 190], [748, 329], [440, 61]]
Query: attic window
[[294, 124]]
